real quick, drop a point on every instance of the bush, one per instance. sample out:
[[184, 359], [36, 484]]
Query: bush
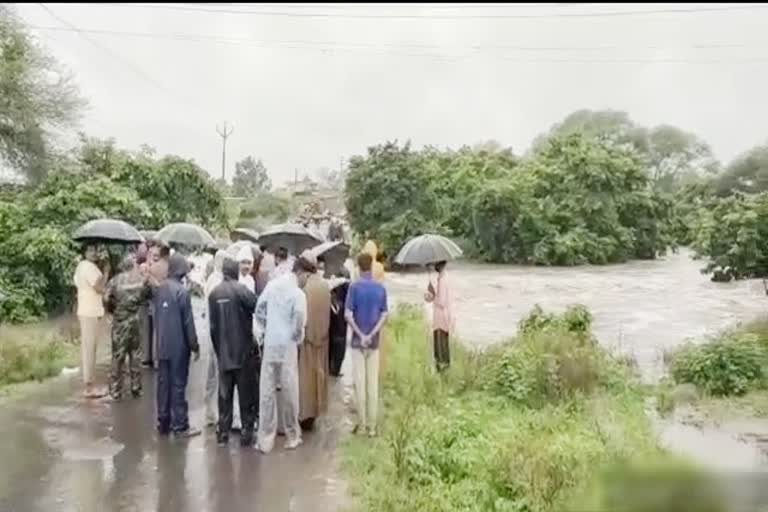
[[729, 365], [448, 444], [33, 353], [732, 234]]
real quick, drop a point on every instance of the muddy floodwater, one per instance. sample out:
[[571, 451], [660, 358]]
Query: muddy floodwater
[[59, 453], [640, 308]]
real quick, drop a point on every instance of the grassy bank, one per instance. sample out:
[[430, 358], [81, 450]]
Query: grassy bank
[[36, 351], [526, 426]]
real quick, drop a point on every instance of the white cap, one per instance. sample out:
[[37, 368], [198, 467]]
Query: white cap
[[245, 254]]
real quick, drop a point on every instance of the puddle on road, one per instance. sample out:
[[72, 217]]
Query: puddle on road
[[78, 447]]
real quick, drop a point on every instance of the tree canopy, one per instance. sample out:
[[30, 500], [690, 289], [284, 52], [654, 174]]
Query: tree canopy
[[670, 155], [251, 178], [37, 97]]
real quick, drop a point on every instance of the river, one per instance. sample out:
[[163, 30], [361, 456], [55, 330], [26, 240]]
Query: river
[[640, 308]]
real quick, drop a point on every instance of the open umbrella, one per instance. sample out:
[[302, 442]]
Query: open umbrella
[[244, 234], [334, 253], [188, 235], [148, 234], [293, 237], [108, 231], [234, 249], [426, 249]]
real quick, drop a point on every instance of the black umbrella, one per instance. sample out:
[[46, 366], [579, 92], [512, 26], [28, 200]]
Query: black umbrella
[[294, 237], [188, 235], [108, 231], [244, 234], [148, 234], [334, 253], [426, 249]]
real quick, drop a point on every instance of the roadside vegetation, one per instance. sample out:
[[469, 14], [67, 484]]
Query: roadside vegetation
[[546, 422], [35, 352]]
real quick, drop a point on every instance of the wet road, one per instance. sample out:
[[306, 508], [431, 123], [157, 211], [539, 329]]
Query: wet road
[[60, 453]]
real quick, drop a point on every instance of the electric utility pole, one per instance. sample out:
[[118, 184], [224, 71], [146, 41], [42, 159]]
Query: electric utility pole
[[224, 134]]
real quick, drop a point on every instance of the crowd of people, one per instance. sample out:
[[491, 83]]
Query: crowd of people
[[279, 325]]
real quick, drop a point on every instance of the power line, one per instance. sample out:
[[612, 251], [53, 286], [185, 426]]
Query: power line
[[333, 44], [114, 55], [681, 10]]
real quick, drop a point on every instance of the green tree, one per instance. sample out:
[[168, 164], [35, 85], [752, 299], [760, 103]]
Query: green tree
[[251, 178], [672, 157], [747, 173], [577, 201], [36, 98], [675, 156], [384, 189]]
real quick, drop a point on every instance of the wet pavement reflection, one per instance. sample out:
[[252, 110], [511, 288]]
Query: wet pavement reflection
[[62, 453]]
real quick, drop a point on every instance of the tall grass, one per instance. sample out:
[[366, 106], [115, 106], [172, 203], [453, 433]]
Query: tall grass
[[519, 427], [36, 351]]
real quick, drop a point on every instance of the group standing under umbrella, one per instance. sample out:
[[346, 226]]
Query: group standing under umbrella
[[332, 312]]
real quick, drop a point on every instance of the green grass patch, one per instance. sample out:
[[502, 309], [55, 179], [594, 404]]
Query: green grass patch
[[527, 425], [33, 352]]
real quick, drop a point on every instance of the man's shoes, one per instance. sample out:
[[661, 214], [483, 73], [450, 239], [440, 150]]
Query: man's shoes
[[163, 431], [371, 432], [246, 439], [222, 440], [186, 434], [136, 394], [293, 444]]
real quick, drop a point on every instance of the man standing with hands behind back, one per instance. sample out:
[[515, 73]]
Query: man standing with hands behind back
[[366, 312]]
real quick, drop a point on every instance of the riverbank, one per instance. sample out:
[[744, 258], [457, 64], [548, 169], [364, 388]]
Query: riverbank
[[36, 351], [524, 426]]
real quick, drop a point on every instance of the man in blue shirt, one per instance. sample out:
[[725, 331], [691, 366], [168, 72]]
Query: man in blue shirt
[[366, 312]]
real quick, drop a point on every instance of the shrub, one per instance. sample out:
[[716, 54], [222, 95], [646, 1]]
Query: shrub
[[450, 445], [33, 353], [554, 358], [729, 365]]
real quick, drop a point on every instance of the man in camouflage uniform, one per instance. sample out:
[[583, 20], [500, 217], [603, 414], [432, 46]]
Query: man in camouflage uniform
[[126, 293]]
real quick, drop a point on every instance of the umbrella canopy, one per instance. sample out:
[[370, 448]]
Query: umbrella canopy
[[220, 245], [244, 234], [108, 231], [148, 234], [334, 253], [234, 249], [188, 235], [293, 237], [426, 249]]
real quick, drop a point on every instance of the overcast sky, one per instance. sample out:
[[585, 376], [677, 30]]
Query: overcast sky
[[307, 85]]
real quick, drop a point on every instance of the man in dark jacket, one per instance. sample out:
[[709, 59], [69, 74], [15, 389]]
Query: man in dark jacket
[[230, 312], [176, 341]]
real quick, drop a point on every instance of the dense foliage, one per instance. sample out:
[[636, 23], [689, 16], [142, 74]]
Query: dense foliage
[[251, 178], [97, 181], [36, 97], [456, 442], [731, 364], [574, 201]]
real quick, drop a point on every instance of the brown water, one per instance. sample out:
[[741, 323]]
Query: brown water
[[640, 308]]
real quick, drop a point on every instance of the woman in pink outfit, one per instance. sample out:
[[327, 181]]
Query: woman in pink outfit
[[442, 318]]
